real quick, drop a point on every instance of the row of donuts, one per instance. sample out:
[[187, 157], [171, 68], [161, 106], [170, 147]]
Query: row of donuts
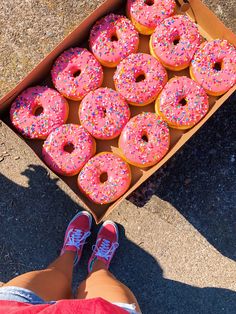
[[143, 141], [123, 180], [104, 112], [76, 72], [175, 39], [70, 149], [175, 42], [74, 75]]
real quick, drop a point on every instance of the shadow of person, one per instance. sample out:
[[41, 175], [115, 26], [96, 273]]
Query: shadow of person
[[156, 294], [33, 222], [200, 181]]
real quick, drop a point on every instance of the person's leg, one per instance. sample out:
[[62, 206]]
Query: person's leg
[[54, 283], [100, 282]]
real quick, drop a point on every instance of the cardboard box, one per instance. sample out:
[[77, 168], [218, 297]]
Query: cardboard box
[[210, 27]]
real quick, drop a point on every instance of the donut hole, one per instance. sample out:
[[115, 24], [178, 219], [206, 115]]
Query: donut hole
[[77, 73], [38, 111], [145, 137], [183, 102], [141, 77], [217, 66], [185, 6], [103, 112], [149, 2], [69, 147], [114, 37], [176, 40], [103, 177]]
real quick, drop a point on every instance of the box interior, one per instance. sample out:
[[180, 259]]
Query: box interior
[[210, 27]]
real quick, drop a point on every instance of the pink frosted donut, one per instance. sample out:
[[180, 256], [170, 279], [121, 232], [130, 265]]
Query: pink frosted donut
[[104, 113], [182, 103], [68, 148], [147, 14], [104, 178], [37, 111], [112, 39], [175, 41], [76, 72], [140, 78], [214, 66], [144, 140]]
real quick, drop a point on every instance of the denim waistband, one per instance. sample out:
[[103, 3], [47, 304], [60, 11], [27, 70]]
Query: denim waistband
[[12, 293]]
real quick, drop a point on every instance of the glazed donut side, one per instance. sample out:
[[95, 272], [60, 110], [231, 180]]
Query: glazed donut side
[[144, 140], [140, 28], [146, 15], [214, 66], [76, 72], [118, 178], [37, 111], [112, 39], [68, 148], [174, 42], [182, 103]]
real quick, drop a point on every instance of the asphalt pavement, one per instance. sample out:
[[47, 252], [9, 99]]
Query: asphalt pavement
[[177, 231]]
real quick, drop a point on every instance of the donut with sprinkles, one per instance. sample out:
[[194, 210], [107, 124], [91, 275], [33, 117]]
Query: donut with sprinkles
[[214, 66], [37, 111], [139, 78], [68, 148], [182, 103], [104, 178], [144, 140], [146, 15], [104, 113], [76, 72], [112, 39], [175, 41]]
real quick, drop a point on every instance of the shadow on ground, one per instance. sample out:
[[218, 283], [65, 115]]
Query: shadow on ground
[[200, 181], [33, 221]]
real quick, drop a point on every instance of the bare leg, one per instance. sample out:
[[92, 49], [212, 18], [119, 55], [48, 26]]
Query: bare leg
[[101, 283], [52, 283]]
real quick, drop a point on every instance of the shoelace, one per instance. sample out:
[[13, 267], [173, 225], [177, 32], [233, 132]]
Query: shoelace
[[76, 237], [103, 250]]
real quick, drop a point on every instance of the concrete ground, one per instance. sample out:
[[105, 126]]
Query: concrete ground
[[178, 230]]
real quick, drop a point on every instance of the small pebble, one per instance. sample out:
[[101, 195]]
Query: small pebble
[[187, 181]]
